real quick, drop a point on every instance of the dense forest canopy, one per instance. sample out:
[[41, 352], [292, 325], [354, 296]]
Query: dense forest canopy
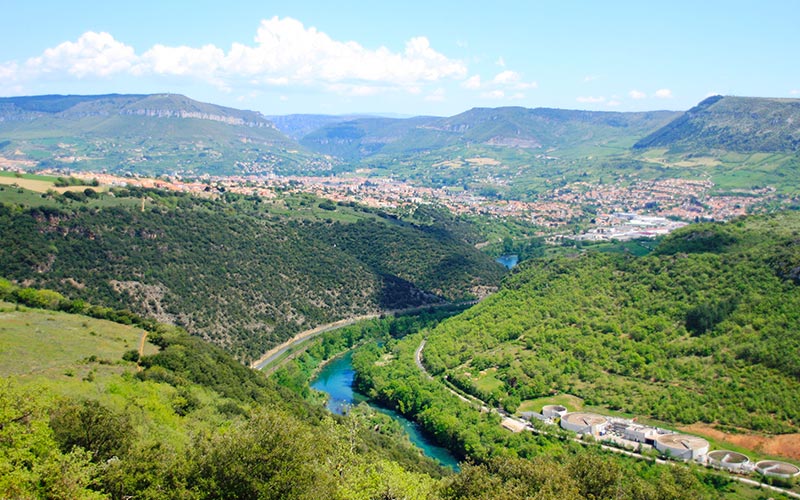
[[705, 329], [230, 269]]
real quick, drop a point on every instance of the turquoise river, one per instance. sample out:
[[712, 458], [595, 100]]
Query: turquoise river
[[336, 380]]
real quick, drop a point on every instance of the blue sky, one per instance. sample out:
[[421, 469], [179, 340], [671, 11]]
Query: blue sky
[[411, 57]]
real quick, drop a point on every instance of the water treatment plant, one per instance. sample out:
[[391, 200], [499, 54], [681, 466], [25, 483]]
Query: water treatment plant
[[628, 434]]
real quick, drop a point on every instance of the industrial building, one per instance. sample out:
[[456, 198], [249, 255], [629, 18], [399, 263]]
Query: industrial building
[[634, 432], [682, 446], [729, 460], [775, 468], [584, 423], [554, 411]]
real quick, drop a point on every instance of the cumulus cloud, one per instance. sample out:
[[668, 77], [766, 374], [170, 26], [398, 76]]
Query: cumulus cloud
[[472, 83], [795, 92], [493, 94], [590, 99], [93, 54], [283, 52], [664, 94], [436, 96], [637, 94], [513, 80]]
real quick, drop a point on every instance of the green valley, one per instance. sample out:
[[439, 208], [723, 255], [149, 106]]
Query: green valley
[[700, 330], [240, 271]]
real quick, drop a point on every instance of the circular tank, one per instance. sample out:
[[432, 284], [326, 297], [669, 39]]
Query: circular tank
[[728, 459], [777, 469], [584, 423], [682, 446], [553, 411]]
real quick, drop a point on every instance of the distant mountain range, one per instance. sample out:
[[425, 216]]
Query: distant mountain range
[[738, 124], [167, 133], [540, 129], [151, 134]]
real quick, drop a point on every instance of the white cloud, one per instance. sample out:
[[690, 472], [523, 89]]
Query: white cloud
[[501, 62], [613, 103], [357, 90], [506, 77], [637, 94], [664, 94], [182, 61], [494, 94], [472, 83], [436, 96], [591, 99], [284, 52], [513, 80], [794, 92], [590, 78], [93, 54]]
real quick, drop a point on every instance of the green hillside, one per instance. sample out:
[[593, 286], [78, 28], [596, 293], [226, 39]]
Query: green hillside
[[735, 124], [300, 125], [53, 345], [547, 130], [704, 329], [240, 271], [356, 139], [147, 134], [189, 422]]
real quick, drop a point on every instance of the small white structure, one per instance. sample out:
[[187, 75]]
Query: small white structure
[[729, 460], [554, 411], [584, 423], [640, 433], [682, 446], [775, 468]]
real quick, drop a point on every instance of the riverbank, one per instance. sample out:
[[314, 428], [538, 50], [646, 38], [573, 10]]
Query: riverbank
[[336, 378]]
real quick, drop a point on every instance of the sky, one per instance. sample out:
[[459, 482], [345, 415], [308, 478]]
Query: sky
[[434, 57]]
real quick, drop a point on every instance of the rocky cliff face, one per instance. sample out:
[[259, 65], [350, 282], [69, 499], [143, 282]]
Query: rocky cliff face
[[180, 113]]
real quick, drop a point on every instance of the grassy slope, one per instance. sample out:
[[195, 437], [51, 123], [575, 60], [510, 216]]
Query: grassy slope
[[189, 395], [49, 344]]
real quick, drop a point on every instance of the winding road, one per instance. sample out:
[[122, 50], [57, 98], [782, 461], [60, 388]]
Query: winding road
[[274, 354]]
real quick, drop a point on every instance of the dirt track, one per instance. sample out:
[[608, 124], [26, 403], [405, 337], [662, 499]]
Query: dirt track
[[783, 445]]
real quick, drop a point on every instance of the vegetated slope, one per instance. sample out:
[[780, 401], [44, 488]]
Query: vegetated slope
[[729, 123], [704, 329], [543, 129], [231, 271], [359, 138], [188, 422], [300, 125], [153, 134], [191, 422]]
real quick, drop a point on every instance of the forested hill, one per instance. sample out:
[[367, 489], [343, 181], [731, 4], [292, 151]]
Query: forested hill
[[541, 129], [736, 124], [705, 329], [84, 417], [147, 134], [232, 270]]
